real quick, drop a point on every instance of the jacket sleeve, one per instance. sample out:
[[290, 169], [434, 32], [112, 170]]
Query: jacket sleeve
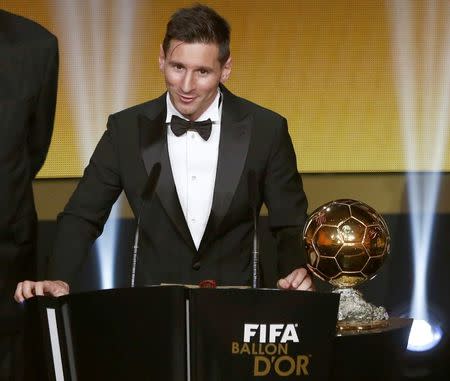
[[84, 216], [286, 202]]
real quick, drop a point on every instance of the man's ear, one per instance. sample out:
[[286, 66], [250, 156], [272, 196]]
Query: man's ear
[[226, 70], [161, 58]]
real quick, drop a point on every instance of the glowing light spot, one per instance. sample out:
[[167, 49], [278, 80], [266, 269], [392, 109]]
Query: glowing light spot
[[424, 336]]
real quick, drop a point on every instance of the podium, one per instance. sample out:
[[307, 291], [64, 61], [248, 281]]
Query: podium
[[174, 333]]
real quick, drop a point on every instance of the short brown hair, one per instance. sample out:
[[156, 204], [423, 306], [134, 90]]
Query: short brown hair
[[199, 23]]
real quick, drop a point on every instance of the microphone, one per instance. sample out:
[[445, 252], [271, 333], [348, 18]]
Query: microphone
[[252, 196], [146, 195]]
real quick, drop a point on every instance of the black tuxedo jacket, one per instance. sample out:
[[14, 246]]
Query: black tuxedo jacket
[[28, 82], [252, 138]]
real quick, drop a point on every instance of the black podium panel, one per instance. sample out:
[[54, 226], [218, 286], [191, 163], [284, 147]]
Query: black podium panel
[[173, 333], [261, 334], [124, 334]]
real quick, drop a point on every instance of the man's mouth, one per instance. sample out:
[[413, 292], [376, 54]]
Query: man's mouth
[[186, 99]]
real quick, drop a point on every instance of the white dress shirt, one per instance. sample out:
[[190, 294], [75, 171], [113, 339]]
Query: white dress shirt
[[194, 164]]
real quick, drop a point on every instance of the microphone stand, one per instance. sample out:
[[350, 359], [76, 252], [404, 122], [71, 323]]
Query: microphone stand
[[252, 194], [255, 252], [135, 252], [147, 196]]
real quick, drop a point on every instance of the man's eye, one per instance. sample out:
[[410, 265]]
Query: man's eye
[[203, 72]]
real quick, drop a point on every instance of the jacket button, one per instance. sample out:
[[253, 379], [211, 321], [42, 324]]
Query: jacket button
[[196, 265]]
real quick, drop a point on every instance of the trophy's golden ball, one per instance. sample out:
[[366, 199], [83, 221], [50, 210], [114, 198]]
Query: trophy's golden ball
[[346, 242]]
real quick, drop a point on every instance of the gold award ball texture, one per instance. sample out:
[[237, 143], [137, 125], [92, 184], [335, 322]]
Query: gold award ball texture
[[346, 242]]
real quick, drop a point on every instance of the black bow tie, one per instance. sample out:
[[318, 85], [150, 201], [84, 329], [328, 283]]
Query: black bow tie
[[179, 126]]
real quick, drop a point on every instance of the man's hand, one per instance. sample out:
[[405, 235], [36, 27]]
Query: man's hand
[[299, 279], [27, 289]]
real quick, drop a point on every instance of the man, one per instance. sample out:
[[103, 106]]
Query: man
[[28, 84], [198, 225]]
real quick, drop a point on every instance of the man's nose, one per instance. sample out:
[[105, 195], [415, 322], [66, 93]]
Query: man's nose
[[188, 84]]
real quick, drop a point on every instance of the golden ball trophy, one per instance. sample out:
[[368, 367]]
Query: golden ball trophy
[[346, 243]]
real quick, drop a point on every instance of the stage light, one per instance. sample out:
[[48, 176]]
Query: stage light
[[425, 93], [86, 62], [123, 11], [424, 336]]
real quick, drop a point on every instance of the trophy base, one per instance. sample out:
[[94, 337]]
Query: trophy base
[[355, 314], [361, 325]]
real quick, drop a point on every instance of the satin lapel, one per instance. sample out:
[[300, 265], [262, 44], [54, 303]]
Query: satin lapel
[[152, 139], [153, 144], [235, 136]]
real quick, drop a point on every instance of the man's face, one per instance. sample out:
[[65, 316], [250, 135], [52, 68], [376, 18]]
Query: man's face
[[192, 72]]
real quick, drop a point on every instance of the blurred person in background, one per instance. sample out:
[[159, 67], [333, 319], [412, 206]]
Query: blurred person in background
[[28, 86]]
